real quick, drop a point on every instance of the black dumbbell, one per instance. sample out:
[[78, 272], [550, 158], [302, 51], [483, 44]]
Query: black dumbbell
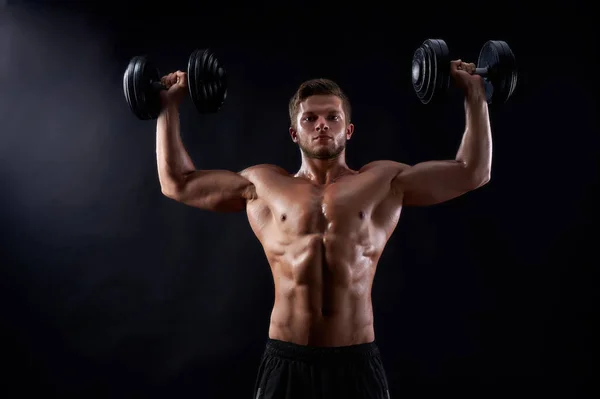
[[207, 84], [431, 71]]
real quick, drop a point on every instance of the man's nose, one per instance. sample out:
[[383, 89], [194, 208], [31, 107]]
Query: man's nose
[[322, 125]]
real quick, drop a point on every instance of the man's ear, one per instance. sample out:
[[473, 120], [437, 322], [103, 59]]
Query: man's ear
[[349, 131], [293, 134]]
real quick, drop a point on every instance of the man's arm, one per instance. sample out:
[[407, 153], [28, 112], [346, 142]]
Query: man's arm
[[214, 190], [432, 182]]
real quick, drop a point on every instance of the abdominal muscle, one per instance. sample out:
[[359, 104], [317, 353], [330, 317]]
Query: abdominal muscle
[[322, 291]]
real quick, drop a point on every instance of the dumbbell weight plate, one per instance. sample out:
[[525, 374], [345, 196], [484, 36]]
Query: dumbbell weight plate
[[431, 70], [143, 100], [501, 79], [207, 80]]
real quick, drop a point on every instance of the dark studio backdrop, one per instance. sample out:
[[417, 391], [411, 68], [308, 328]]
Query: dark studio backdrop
[[111, 290]]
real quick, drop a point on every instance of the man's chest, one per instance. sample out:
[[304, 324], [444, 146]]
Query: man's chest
[[301, 206]]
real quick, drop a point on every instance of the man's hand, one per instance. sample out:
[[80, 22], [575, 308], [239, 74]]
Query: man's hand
[[463, 75], [176, 83]]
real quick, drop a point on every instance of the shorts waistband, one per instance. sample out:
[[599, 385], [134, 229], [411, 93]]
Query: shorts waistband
[[308, 353]]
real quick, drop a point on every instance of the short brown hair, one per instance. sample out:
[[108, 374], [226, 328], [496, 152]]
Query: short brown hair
[[314, 87]]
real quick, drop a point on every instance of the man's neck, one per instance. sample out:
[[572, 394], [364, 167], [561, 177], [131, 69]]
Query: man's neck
[[323, 171]]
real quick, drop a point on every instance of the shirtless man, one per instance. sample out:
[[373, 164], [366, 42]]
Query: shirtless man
[[323, 230]]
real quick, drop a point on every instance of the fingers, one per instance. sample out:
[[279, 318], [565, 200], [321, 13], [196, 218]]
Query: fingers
[[175, 78], [458, 65], [167, 80], [181, 78], [469, 67]]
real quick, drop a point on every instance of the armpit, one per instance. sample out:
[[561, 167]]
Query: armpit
[[249, 193], [259, 175], [397, 186]]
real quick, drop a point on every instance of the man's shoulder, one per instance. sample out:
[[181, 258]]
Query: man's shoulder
[[384, 165], [262, 169]]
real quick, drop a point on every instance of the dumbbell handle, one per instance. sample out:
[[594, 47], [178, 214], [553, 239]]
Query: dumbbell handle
[[158, 86], [483, 72]]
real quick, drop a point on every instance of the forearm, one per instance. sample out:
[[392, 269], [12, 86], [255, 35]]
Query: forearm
[[173, 161], [475, 151]]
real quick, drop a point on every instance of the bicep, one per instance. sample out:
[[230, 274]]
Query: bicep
[[215, 190], [432, 182]]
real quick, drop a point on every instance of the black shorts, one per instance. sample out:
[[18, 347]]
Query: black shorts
[[290, 371]]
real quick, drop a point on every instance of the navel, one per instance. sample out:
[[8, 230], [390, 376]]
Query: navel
[[283, 217]]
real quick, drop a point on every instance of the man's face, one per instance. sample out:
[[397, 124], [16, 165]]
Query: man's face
[[321, 129]]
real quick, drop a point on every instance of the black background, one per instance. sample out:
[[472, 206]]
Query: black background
[[110, 290]]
